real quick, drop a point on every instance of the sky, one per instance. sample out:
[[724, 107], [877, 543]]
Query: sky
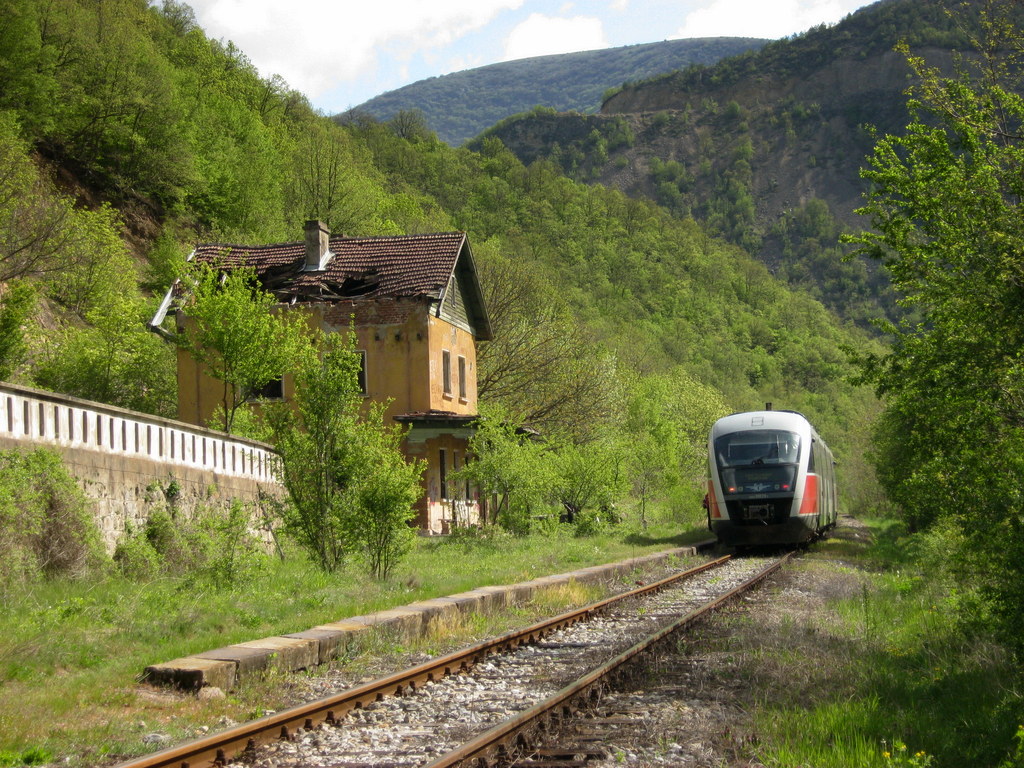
[[340, 53]]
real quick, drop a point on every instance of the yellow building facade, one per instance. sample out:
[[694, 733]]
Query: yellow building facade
[[417, 310]]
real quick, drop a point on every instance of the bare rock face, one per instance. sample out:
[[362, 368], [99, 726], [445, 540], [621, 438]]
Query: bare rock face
[[807, 135]]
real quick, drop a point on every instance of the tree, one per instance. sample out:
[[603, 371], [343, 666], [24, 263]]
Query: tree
[[16, 306], [235, 334], [410, 124], [667, 421], [35, 224], [511, 465], [540, 366], [387, 491], [112, 359], [948, 223], [349, 487], [328, 184], [589, 479]]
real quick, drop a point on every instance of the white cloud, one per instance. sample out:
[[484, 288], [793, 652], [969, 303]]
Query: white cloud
[[314, 44], [459, 63], [540, 35], [762, 18]]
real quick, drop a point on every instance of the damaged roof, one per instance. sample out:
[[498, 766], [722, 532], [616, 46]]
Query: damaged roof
[[354, 268], [371, 267]]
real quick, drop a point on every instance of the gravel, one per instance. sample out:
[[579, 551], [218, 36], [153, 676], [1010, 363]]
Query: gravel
[[434, 719], [697, 703]]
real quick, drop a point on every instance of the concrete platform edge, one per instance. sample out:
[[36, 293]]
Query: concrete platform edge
[[226, 667]]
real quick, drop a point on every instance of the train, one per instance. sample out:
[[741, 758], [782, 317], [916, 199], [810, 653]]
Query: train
[[772, 480]]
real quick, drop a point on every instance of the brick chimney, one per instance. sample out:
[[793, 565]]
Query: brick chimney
[[317, 246]]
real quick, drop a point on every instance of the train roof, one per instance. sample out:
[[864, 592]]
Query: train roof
[[740, 422]]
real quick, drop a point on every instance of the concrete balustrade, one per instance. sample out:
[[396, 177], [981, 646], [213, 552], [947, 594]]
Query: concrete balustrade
[[35, 416], [127, 461]]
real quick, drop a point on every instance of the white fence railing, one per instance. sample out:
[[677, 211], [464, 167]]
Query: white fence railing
[[35, 416]]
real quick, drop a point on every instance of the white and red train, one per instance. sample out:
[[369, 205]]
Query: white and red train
[[772, 480]]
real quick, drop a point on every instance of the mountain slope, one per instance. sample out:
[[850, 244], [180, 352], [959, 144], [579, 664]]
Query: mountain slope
[[460, 105], [766, 147], [227, 156]]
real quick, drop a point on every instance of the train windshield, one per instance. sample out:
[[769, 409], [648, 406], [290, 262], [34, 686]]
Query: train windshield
[[761, 446], [758, 461]]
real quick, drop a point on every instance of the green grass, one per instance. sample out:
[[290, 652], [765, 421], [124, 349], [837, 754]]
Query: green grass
[[886, 662], [71, 652]]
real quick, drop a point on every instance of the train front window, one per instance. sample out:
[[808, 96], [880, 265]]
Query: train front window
[[758, 461]]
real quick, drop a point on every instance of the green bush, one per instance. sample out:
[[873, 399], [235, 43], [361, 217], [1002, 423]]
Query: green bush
[[216, 546], [591, 523], [136, 558], [31, 756], [46, 522]]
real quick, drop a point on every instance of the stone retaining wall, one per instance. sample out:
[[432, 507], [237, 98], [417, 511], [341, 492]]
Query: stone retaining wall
[[127, 461]]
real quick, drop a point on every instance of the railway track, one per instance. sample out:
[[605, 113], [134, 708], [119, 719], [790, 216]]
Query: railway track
[[511, 690]]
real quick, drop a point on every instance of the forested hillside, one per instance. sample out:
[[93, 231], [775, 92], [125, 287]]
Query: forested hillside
[[627, 314], [183, 140], [764, 147], [459, 106]]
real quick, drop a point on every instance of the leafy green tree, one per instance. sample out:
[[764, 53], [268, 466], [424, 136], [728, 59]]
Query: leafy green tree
[[239, 162], [389, 486], [511, 465], [16, 306], [589, 479], [331, 180], [667, 421], [411, 125], [947, 223], [113, 359], [349, 486], [35, 227], [317, 455], [236, 334], [98, 268]]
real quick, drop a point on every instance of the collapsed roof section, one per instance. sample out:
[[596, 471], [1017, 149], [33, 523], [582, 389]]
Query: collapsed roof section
[[338, 268]]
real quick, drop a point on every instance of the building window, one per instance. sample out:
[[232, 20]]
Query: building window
[[442, 472], [272, 390], [462, 378], [446, 371], [361, 376]]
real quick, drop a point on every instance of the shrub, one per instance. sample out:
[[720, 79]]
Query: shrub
[[216, 546], [46, 522], [136, 558]]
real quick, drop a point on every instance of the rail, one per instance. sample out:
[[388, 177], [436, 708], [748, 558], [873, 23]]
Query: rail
[[498, 744], [219, 749]]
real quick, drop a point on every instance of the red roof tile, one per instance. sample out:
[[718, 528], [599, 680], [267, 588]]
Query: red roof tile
[[405, 265]]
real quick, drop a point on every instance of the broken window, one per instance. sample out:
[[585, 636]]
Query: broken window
[[361, 376], [272, 390]]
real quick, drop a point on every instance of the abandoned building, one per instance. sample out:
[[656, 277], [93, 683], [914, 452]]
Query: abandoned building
[[418, 311]]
